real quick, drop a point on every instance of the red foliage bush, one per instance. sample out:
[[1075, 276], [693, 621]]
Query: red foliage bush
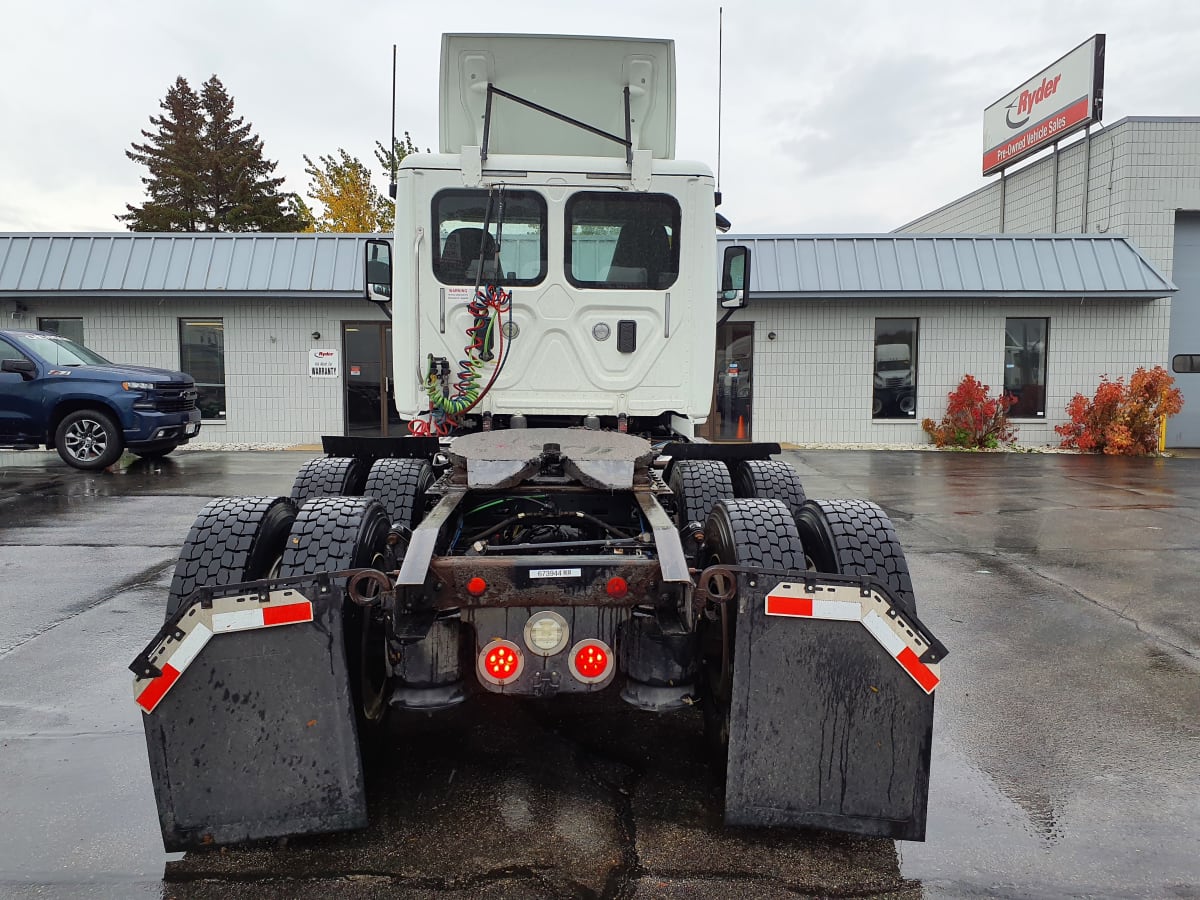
[[973, 418], [1122, 420]]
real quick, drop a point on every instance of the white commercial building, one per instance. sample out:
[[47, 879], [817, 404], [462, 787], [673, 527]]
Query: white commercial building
[[848, 339], [1139, 177]]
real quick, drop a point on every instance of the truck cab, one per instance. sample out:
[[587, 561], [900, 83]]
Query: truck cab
[[554, 264]]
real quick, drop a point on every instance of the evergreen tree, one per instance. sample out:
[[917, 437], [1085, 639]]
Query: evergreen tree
[[207, 170], [174, 156]]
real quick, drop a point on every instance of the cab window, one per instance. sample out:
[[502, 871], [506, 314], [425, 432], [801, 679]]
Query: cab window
[[512, 249], [623, 241]]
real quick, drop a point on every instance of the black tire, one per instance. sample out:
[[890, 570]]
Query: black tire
[[233, 539], [698, 485], [769, 479], [332, 533], [856, 537], [748, 532], [157, 453], [88, 439], [400, 485], [329, 476]]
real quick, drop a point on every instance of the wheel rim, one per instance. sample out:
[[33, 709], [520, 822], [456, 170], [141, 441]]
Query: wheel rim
[[86, 440]]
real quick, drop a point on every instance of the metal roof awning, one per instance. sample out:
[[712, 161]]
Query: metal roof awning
[[976, 266], [164, 265]]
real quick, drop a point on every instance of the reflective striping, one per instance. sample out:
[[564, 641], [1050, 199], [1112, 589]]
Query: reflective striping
[[158, 687], [789, 606], [190, 646], [286, 615], [262, 617], [171, 656], [921, 673], [902, 642], [242, 620], [890, 641], [838, 610]]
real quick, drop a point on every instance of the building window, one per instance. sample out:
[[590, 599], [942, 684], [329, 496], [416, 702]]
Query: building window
[[485, 235], [895, 381], [1185, 363], [202, 355], [71, 329], [1025, 366], [623, 241]]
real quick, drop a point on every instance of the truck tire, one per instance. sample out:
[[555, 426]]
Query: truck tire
[[698, 485], [770, 479], [332, 533], [755, 532], [856, 537], [233, 539], [400, 485], [329, 476], [88, 439]]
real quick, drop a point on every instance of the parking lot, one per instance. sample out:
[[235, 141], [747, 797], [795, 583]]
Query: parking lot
[[1066, 759]]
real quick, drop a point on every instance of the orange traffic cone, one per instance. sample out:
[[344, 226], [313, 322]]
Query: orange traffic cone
[[741, 432]]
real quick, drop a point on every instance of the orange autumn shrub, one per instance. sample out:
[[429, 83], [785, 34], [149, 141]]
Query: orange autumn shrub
[[1122, 420], [973, 418]]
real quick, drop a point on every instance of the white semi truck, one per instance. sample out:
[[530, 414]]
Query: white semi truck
[[552, 525]]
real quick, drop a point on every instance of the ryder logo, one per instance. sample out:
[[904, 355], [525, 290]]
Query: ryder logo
[[1027, 100]]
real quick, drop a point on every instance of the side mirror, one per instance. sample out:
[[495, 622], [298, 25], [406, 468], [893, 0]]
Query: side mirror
[[23, 367], [735, 278], [378, 271]]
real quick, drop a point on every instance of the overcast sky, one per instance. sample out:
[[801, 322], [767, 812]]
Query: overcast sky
[[839, 116]]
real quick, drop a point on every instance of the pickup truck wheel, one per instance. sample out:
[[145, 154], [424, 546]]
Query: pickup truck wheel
[[332, 533], [330, 476], [88, 439], [400, 485], [233, 539], [770, 479], [755, 532], [855, 537]]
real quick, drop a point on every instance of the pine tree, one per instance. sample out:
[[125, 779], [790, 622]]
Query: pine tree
[[174, 157], [207, 171]]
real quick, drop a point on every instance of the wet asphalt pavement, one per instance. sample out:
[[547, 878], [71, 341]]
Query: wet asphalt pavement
[[1066, 758]]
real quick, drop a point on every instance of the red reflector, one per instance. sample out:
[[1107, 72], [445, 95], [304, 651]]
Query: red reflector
[[617, 587], [476, 586], [501, 662]]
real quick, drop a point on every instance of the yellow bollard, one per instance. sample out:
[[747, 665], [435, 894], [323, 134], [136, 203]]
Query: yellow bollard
[[1162, 433]]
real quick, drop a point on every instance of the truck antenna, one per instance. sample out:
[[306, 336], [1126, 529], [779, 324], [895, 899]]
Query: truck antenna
[[720, 60], [392, 148]]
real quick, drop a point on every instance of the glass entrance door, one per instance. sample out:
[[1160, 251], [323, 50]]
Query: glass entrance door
[[732, 417], [370, 402]]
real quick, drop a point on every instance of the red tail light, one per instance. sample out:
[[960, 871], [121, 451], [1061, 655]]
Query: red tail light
[[617, 588], [500, 662], [592, 661], [476, 586]]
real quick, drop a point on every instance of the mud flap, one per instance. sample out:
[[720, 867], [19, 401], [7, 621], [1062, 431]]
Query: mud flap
[[256, 738], [828, 729]]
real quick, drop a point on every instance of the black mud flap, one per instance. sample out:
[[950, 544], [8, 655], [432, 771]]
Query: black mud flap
[[828, 729], [255, 736]]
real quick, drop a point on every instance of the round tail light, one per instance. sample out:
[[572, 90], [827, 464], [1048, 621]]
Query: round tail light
[[592, 661], [500, 662]]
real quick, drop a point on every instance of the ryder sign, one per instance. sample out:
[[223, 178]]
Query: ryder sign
[[1060, 99]]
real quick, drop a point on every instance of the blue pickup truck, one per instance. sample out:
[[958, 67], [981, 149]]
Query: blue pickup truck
[[59, 394]]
